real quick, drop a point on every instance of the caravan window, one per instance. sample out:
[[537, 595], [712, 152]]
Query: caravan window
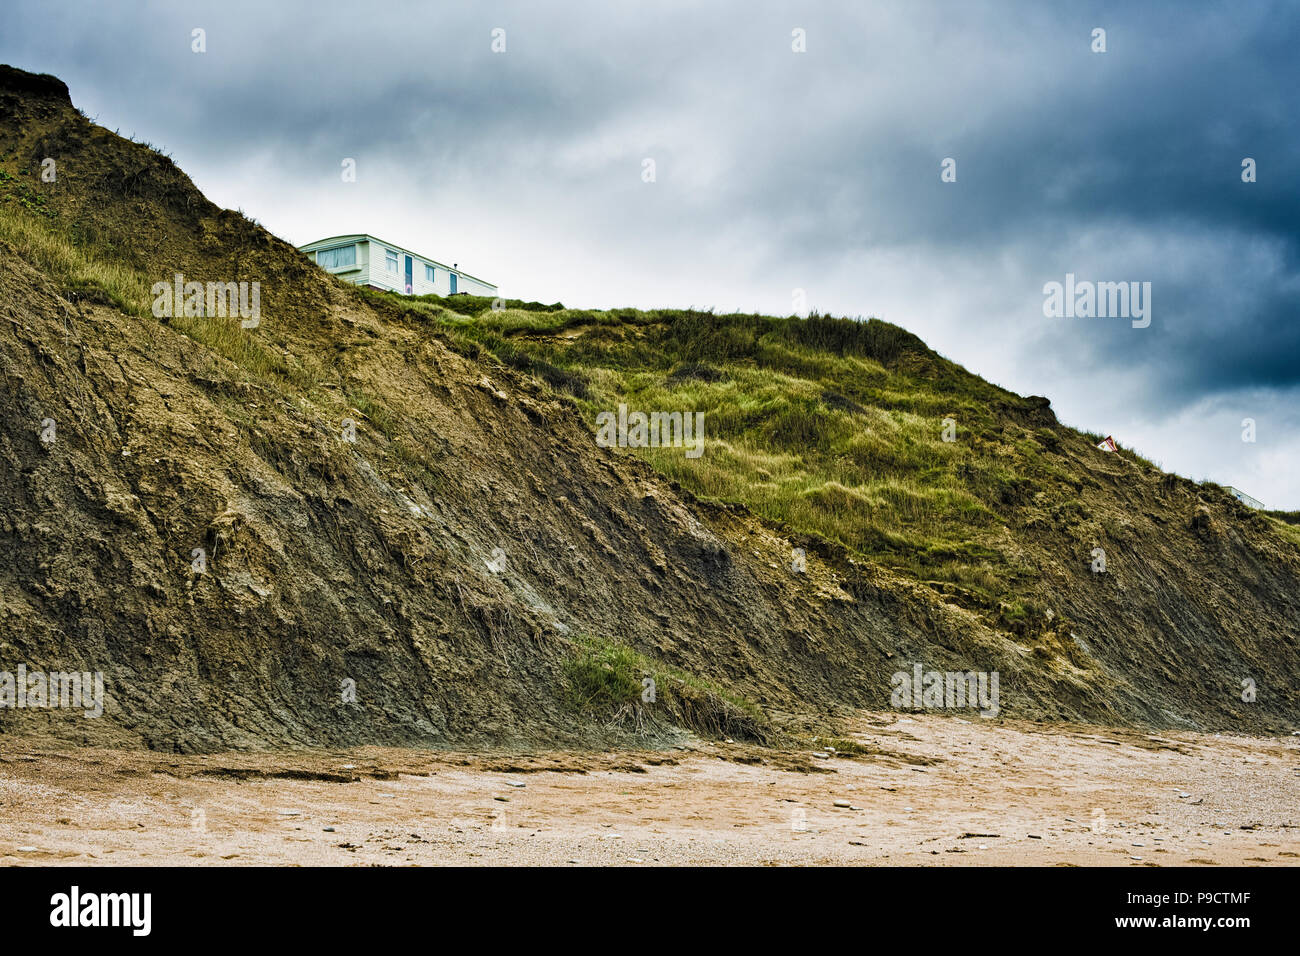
[[428, 272], [390, 259], [337, 257]]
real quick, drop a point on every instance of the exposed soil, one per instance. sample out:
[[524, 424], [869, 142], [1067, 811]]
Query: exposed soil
[[935, 791]]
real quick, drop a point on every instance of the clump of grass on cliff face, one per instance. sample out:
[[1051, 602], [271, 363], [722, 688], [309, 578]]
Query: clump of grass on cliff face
[[606, 681], [90, 268], [38, 240]]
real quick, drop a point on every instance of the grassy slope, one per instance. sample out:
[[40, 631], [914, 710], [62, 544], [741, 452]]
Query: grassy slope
[[830, 427]]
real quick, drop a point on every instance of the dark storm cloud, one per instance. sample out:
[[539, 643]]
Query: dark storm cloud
[[1152, 146], [777, 169]]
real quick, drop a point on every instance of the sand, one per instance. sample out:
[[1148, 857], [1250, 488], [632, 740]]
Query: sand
[[936, 791]]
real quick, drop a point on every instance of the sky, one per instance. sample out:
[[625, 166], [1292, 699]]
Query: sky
[[936, 165]]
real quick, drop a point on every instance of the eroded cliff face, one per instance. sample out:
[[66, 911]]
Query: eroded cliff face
[[185, 508]]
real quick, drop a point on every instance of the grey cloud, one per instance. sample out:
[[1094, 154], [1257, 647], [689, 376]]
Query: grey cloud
[[778, 169]]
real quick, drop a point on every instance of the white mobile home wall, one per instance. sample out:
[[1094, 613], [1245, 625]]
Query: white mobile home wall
[[371, 268]]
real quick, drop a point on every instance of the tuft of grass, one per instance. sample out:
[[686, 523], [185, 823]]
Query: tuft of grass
[[604, 681], [375, 412], [47, 247], [14, 190], [250, 352], [76, 259], [604, 677], [1286, 524]]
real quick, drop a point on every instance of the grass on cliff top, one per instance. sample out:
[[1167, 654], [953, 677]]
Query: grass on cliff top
[[1287, 524], [832, 427]]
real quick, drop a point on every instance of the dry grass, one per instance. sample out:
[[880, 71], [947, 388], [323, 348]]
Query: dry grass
[[36, 239]]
